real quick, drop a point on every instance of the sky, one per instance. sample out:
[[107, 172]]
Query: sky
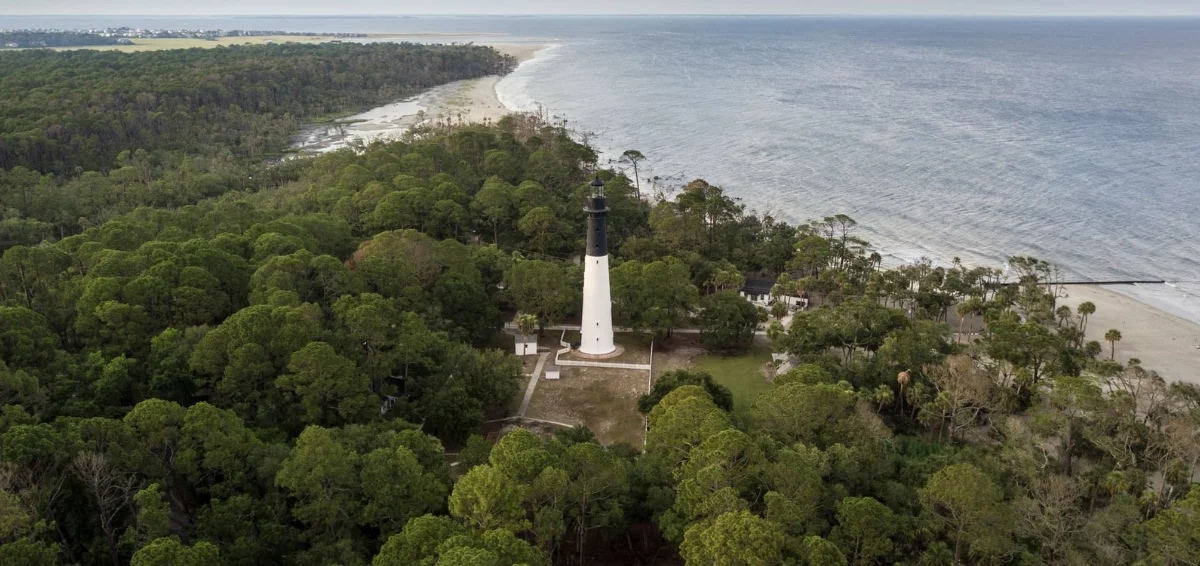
[[454, 7]]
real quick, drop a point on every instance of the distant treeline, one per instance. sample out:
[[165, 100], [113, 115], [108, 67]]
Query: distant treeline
[[70, 111], [18, 39]]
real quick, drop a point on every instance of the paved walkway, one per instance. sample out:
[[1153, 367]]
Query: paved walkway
[[533, 379]]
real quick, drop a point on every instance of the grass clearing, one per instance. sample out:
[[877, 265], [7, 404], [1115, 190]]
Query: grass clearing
[[603, 399], [742, 374]]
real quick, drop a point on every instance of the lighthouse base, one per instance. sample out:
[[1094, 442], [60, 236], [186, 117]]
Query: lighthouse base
[[618, 350], [596, 331]]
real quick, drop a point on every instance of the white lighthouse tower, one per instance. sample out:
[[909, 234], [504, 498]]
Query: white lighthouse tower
[[596, 331]]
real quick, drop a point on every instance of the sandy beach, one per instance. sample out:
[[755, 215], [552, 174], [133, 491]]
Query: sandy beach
[[1162, 341], [475, 100], [468, 101]]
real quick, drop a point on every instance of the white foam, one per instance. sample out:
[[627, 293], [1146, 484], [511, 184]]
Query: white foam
[[512, 90], [1181, 299]]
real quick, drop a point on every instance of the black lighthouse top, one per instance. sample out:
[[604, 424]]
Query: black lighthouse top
[[597, 208]]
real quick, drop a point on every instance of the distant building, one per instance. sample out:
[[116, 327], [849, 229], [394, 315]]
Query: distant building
[[12, 45], [124, 41]]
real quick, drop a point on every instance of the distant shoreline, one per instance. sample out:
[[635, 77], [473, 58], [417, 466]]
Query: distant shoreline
[[469, 101], [160, 44]]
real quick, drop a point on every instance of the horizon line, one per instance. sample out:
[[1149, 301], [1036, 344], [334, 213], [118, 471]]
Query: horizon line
[[632, 14]]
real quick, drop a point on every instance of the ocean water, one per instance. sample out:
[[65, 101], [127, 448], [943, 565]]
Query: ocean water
[[1072, 140]]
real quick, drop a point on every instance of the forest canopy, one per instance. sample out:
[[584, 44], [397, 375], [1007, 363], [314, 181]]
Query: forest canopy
[[27, 39], [79, 109], [299, 370]]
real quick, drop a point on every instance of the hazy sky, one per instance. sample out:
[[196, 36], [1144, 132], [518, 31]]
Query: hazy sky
[[347, 7]]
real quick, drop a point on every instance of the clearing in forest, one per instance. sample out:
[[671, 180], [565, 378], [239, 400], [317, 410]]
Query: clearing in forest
[[603, 399]]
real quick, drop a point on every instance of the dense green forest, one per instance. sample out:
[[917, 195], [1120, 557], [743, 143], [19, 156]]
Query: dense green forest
[[80, 109], [26, 39], [275, 374], [87, 135]]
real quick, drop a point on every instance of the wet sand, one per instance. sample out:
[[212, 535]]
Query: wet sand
[[1163, 342]]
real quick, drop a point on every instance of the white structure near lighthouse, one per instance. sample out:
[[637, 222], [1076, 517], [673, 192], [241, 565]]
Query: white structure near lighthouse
[[596, 331]]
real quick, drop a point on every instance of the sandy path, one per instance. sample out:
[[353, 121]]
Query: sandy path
[[1163, 342]]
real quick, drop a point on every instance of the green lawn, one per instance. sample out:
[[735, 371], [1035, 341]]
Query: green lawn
[[741, 374]]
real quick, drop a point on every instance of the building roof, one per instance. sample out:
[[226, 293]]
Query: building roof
[[758, 286]]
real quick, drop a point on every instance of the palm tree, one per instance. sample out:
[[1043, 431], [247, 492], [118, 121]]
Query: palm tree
[[963, 309], [1064, 314], [969, 309], [525, 324], [1085, 309], [883, 395], [1112, 337], [902, 378]]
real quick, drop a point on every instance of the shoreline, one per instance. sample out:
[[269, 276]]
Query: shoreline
[[1155, 328], [1164, 342], [468, 101], [1153, 319]]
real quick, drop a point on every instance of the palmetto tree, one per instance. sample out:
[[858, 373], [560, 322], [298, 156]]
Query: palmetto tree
[[525, 324], [1064, 314], [883, 396], [1085, 309], [1112, 337], [963, 309], [967, 310]]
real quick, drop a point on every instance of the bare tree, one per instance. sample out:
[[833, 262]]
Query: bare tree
[[1051, 515], [112, 490], [963, 392]]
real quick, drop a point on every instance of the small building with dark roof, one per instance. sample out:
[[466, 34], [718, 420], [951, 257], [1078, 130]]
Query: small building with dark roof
[[758, 291]]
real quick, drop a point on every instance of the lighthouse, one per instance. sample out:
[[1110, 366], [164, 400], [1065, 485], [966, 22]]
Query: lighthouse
[[596, 331]]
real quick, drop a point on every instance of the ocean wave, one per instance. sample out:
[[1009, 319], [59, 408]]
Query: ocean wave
[[1181, 299], [513, 90], [941, 148]]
